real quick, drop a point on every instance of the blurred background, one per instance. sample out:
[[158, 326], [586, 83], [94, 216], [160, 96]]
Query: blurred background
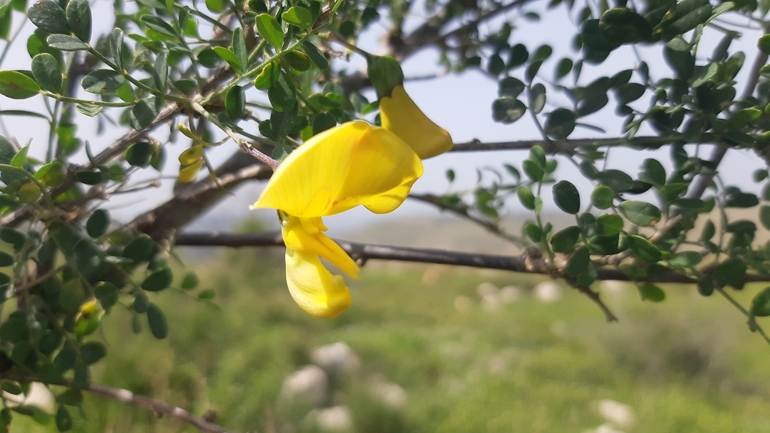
[[428, 349]]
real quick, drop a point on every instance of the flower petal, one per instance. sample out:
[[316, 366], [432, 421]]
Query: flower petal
[[306, 235], [339, 169], [313, 287], [401, 115]]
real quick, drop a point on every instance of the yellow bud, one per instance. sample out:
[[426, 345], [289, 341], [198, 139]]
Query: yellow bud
[[401, 116], [87, 319], [191, 155], [186, 131], [188, 173]]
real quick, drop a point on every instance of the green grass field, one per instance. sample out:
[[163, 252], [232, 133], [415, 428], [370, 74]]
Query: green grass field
[[688, 364]]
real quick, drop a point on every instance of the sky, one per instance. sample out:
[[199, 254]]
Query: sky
[[459, 103]]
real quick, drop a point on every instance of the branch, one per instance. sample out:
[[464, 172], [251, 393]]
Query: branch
[[463, 212], [567, 146], [192, 201], [524, 263], [129, 397]]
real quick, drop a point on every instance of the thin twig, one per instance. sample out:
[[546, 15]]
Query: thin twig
[[522, 263], [129, 397], [463, 212]]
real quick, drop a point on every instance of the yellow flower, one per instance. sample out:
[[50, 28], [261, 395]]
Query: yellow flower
[[346, 166], [400, 115]]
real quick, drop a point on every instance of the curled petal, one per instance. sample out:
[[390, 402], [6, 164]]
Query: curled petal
[[306, 235], [313, 287], [401, 115], [341, 168]]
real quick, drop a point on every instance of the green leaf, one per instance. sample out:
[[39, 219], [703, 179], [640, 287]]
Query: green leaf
[[534, 233], [5, 259], [507, 110], [235, 102], [322, 122], [65, 43], [215, 5], [157, 322], [102, 81], [653, 172], [158, 280], [602, 197], [510, 87], [97, 223], [45, 69], [116, 46], [144, 112], [140, 249], [230, 58], [239, 48], [743, 117], [592, 104], [682, 62], [47, 15], [651, 292], [315, 55], [15, 85], [615, 179], [190, 281], [563, 68], [534, 171], [206, 295], [609, 224], [643, 248], [107, 294], [298, 16], [537, 98], [566, 197], [565, 239], [72, 397], [640, 213], [92, 352], [624, 26], [629, 92], [160, 70], [686, 259], [270, 30], [158, 24], [63, 419], [579, 262], [13, 237], [282, 94], [560, 123], [764, 216], [20, 158], [78, 15], [139, 154], [739, 199], [526, 197], [297, 61], [760, 305], [141, 303], [731, 272]]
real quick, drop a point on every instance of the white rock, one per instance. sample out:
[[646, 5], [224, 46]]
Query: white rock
[[484, 289], [622, 415], [498, 366], [610, 286], [491, 302], [510, 294], [391, 394], [337, 359], [39, 396], [307, 385], [463, 303], [547, 291], [332, 419]]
